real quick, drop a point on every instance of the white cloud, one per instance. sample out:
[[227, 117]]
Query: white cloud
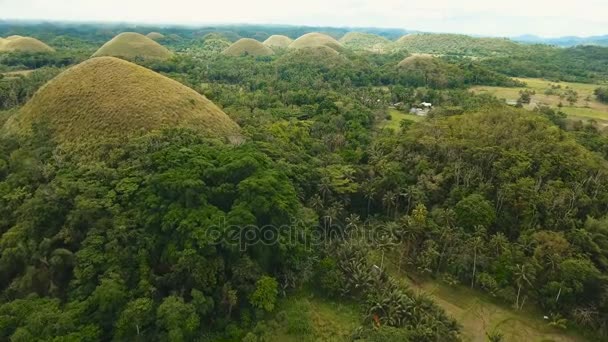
[[491, 17]]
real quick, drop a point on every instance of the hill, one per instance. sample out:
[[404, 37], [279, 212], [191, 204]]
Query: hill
[[278, 41], [563, 41], [110, 97], [249, 47], [155, 36], [455, 44], [23, 44], [416, 59], [130, 45], [365, 41], [313, 56], [315, 39]]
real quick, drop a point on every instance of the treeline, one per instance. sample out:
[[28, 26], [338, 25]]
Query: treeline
[[577, 64]]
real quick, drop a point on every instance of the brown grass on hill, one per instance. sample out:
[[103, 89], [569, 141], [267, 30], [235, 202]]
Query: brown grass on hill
[[15, 36], [249, 47], [131, 45], [415, 58], [23, 44], [315, 39], [278, 41], [107, 97], [155, 36]]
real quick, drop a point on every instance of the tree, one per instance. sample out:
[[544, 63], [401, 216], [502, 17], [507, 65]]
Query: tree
[[265, 294], [134, 319], [601, 94], [524, 274], [177, 318], [474, 210]]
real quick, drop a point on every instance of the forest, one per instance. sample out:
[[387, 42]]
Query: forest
[[174, 235]]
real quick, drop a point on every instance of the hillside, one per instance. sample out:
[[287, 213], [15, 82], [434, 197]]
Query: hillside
[[131, 45], [155, 36], [455, 44], [23, 44], [365, 41], [107, 97], [248, 47], [315, 39], [278, 41]]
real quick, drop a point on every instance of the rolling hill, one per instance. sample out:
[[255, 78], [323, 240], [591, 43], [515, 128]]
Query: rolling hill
[[278, 41], [23, 44], [455, 44], [365, 41], [130, 45], [155, 36], [248, 47], [108, 97], [315, 39]]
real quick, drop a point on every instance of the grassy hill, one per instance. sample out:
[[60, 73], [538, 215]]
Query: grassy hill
[[365, 41], [23, 44], [248, 46], [455, 44], [278, 41], [110, 97], [315, 39], [317, 56], [130, 45], [155, 36], [415, 59]]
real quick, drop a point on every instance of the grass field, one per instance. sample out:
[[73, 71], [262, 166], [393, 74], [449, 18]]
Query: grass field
[[479, 313], [304, 318], [586, 107], [396, 117]]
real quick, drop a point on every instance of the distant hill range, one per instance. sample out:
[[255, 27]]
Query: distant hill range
[[563, 41]]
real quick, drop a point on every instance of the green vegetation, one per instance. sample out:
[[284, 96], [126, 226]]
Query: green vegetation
[[315, 39], [456, 45], [278, 41], [23, 44], [247, 47], [109, 97], [297, 200], [131, 45], [395, 118], [601, 94], [365, 41], [575, 99]]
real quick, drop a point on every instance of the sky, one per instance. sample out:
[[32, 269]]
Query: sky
[[547, 18]]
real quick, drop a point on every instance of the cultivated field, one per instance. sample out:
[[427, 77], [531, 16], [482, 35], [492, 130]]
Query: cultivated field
[[552, 94]]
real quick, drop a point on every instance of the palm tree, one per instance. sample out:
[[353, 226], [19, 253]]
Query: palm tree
[[476, 243], [369, 193], [389, 200], [522, 277]]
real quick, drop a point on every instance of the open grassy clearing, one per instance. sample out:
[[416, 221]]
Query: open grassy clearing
[[479, 313], [396, 117], [585, 107], [305, 317]]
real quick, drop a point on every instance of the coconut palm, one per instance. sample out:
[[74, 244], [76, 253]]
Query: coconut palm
[[523, 275]]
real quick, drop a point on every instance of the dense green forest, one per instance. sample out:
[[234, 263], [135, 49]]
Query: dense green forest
[[176, 236]]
